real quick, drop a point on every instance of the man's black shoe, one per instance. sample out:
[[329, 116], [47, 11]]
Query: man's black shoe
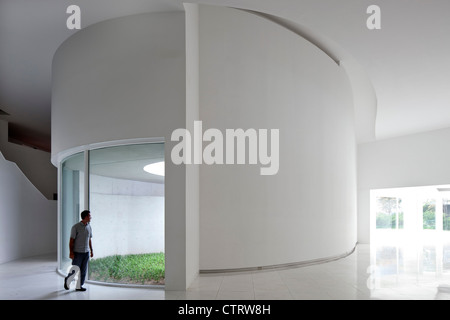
[[66, 286], [81, 289]]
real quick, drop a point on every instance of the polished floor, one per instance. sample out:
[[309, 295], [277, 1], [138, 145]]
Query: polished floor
[[383, 272]]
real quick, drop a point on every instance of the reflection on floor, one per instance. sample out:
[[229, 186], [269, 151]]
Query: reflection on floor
[[411, 265], [389, 270]]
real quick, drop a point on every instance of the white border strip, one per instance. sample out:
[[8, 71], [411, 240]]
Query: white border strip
[[281, 266]]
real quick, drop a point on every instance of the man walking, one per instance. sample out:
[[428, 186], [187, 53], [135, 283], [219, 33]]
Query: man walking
[[80, 246]]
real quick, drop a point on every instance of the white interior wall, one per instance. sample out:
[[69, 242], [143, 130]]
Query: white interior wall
[[128, 216], [28, 225], [256, 74], [409, 161]]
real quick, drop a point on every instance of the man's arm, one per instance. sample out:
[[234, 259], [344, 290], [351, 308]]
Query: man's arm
[[71, 243], [90, 247]]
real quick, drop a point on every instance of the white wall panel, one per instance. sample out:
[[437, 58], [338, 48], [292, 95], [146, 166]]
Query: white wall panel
[[256, 74]]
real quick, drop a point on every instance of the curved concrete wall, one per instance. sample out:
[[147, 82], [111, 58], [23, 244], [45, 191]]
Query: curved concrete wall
[[119, 79], [257, 74], [124, 79]]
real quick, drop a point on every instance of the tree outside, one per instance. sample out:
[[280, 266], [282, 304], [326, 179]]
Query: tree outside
[[429, 214], [389, 212]]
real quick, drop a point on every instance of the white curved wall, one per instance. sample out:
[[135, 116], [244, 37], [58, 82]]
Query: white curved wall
[[119, 79], [256, 74], [124, 79], [28, 225]]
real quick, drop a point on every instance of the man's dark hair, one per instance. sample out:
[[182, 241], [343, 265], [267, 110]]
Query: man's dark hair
[[84, 214]]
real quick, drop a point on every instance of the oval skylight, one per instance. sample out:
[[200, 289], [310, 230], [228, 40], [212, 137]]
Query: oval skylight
[[156, 168]]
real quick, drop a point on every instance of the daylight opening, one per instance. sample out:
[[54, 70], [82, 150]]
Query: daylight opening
[[410, 230]]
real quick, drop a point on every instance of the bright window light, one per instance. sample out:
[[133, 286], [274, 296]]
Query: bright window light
[[156, 168]]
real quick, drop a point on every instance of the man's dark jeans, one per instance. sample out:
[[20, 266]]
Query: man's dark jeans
[[81, 260]]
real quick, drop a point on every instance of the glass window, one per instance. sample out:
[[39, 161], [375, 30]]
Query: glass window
[[72, 202], [127, 209], [389, 214], [446, 214], [400, 215], [429, 214]]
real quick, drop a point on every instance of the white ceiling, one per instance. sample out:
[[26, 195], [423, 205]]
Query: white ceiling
[[407, 61]]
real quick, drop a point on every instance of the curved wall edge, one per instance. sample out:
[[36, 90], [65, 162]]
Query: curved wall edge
[[57, 158], [364, 99], [301, 31], [285, 265], [364, 96]]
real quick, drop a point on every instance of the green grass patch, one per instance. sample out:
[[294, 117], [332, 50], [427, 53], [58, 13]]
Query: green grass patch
[[145, 268]]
